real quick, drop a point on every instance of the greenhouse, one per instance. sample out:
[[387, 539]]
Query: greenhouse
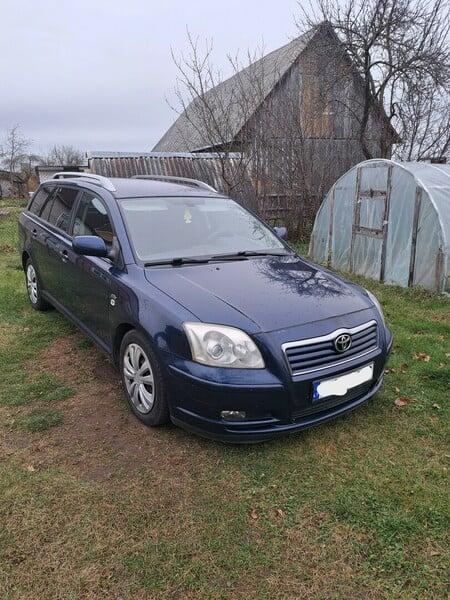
[[390, 222]]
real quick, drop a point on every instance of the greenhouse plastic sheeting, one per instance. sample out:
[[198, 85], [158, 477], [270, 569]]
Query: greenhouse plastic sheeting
[[388, 221]]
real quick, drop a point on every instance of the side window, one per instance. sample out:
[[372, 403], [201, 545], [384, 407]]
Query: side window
[[61, 207], [47, 205], [92, 218], [39, 200]]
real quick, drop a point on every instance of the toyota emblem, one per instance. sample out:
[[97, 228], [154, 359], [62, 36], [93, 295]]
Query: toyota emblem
[[343, 342]]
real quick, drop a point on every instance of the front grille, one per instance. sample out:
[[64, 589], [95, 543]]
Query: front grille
[[315, 354]]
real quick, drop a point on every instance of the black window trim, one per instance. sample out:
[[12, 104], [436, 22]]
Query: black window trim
[[52, 191]]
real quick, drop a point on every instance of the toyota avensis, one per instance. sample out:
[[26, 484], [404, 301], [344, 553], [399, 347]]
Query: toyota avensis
[[214, 322]]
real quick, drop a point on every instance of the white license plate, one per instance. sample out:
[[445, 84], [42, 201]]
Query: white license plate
[[339, 386]]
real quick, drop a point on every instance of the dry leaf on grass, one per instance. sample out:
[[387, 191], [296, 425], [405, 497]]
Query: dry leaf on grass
[[401, 402]]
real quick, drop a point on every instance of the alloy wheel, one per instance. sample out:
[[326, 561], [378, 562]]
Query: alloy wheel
[[32, 286], [139, 379]]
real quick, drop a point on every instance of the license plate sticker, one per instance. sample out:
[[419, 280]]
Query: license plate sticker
[[339, 386]]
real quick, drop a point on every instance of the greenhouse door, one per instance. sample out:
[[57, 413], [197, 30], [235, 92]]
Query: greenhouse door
[[369, 227]]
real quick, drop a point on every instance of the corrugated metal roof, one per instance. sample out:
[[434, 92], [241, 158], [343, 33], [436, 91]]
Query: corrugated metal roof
[[228, 174]]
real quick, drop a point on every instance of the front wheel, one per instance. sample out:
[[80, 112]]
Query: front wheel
[[34, 287], [143, 380]]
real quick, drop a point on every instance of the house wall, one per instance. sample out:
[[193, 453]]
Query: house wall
[[8, 190], [5, 188]]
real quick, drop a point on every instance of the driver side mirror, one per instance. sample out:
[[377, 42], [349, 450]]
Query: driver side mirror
[[281, 232], [90, 245]]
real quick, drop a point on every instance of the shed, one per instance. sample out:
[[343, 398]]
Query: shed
[[46, 172], [390, 222], [228, 173]]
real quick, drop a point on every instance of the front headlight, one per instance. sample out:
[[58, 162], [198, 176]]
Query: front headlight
[[377, 304], [222, 346]]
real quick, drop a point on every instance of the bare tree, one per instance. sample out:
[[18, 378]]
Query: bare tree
[[213, 113], [13, 150], [28, 162], [401, 51], [63, 155], [424, 119]]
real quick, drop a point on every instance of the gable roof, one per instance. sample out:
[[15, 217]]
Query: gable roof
[[254, 84]]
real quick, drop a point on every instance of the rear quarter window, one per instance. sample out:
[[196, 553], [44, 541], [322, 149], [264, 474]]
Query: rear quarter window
[[54, 205], [61, 208], [38, 201]]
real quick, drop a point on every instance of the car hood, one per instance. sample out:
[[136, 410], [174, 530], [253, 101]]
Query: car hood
[[264, 294]]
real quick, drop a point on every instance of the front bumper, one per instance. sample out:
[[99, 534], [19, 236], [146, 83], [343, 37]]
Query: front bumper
[[249, 432], [272, 408]]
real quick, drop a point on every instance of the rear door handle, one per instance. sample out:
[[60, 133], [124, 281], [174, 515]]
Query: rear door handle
[[53, 245]]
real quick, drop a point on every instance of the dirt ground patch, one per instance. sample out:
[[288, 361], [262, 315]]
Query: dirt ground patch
[[99, 438]]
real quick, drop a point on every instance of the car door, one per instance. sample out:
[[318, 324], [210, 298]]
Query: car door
[[86, 281], [36, 235], [48, 235]]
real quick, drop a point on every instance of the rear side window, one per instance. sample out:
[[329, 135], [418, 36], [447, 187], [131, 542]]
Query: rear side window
[[54, 205], [47, 206], [39, 200], [60, 211]]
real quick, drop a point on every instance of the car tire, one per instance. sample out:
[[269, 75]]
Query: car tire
[[143, 380], [34, 287]]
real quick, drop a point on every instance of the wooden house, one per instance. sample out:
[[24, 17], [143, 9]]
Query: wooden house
[[296, 113]]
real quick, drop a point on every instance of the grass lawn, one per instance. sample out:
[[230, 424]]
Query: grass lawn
[[95, 505]]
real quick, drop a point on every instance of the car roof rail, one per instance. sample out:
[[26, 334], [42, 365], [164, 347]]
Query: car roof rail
[[104, 182], [181, 180]]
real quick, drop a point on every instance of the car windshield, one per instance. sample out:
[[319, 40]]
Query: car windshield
[[180, 227]]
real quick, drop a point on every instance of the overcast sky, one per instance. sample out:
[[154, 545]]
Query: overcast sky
[[96, 74]]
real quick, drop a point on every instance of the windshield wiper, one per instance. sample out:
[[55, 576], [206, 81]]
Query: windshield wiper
[[177, 262], [244, 254], [262, 253], [241, 255]]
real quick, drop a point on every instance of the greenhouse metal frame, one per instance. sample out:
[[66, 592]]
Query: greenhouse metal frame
[[388, 221]]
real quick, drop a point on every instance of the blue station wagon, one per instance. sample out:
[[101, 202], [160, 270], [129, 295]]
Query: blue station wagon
[[213, 321]]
